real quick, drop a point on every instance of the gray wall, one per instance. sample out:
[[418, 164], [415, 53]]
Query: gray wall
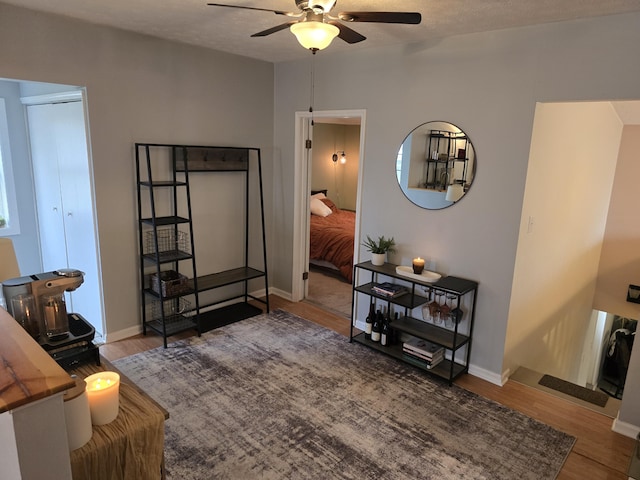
[[488, 84], [139, 89], [340, 181]]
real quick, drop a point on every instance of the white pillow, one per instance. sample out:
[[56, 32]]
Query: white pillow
[[318, 207], [318, 195]]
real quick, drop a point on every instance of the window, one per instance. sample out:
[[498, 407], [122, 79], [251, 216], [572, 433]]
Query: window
[[9, 224]]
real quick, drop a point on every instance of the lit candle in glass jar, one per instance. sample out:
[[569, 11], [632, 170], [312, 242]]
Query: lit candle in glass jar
[[418, 265], [103, 392]]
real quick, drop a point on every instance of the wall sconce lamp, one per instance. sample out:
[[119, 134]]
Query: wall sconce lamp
[[343, 158]]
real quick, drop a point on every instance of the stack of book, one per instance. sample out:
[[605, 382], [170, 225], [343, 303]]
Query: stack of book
[[388, 289], [426, 353]]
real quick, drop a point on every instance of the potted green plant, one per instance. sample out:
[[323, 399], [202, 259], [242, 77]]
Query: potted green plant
[[379, 248]]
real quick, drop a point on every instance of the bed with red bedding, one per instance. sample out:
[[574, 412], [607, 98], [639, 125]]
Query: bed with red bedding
[[332, 237]]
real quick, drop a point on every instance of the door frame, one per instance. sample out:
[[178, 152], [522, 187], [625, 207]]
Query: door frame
[[79, 95], [302, 184]]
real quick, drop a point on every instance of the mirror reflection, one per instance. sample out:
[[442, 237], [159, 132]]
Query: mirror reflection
[[435, 165]]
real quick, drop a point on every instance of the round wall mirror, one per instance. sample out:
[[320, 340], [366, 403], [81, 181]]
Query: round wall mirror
[[436, 164]]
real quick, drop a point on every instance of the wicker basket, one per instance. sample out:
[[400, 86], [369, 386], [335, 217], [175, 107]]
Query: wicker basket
[[169, 283]]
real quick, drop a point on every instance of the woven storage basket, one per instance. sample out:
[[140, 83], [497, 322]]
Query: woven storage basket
[[169, 283]]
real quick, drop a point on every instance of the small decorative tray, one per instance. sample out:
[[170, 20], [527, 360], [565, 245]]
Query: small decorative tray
[[425, 276]]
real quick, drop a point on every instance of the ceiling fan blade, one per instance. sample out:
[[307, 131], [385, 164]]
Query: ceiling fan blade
[[275, 29], [347, 34], [412, 18], [277, 12]]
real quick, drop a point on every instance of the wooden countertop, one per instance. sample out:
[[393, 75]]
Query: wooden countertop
[[27, 372]]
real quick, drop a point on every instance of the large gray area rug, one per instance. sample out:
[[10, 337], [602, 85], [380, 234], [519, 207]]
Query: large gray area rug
[[279, 397]]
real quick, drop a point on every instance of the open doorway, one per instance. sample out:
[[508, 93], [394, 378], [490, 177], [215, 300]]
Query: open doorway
[[327, 225], [52, 163], [334, 185], [577, 244]]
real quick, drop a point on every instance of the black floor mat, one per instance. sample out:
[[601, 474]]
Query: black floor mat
[[591, 396]]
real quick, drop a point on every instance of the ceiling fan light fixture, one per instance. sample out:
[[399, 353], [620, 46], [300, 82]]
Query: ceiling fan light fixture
[[314, 35]]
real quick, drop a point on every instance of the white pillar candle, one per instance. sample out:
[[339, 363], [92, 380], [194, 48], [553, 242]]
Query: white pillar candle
[[103, 391], [77, 415]]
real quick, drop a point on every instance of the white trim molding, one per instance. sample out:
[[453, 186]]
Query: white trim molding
[[487, 375], [303, 131], [624, 428], [61, 97]]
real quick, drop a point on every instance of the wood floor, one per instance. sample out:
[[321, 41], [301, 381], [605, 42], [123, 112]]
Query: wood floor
[[599, 453]]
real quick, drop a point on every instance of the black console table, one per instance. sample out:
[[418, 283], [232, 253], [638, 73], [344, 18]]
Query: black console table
[[455, 340]]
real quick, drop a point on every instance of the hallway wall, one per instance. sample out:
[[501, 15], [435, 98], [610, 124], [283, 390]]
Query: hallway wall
[[620, 258], [574, 151]]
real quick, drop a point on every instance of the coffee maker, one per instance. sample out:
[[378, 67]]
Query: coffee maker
[[37, 302], [47, 289]]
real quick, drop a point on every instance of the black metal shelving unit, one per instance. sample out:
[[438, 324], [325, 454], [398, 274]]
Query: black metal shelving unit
[[166, 240], [456, 340], [447, 148]]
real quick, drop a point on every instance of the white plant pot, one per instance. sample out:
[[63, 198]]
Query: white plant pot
[[378, 258]]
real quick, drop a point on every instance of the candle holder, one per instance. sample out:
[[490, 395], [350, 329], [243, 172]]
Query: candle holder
[[418, 265], [103, 392]]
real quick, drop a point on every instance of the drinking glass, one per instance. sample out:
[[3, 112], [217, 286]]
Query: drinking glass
[[24, 311], [426, 314], [55, 317], [456, 314], [435, 308], [449, 319]]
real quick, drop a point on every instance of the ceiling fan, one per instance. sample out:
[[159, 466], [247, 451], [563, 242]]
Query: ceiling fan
[[315, 27]]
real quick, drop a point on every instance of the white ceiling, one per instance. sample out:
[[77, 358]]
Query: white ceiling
[[226, 29]]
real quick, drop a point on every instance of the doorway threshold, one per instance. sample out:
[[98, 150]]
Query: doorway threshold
[[532, 378], [329, 291]]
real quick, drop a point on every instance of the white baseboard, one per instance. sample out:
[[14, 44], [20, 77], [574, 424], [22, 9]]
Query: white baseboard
[[624, 428], [136, 330], [474, 370], [281, 293], [487, 375], [259, 293], [122, 334], [505, 375]]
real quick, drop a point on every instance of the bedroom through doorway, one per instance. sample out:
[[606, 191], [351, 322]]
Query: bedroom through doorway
[[334, 166]]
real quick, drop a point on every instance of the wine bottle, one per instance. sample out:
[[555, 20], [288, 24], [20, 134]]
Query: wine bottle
[[386, 322], [392, 331], [369, 323], [384, 335], [376, 328]]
